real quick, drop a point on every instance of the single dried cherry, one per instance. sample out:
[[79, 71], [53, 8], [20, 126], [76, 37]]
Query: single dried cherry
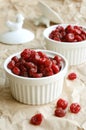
[[47, 71], [69, 37], [75, 108], [26, 54], [16, 70], [15, 58], [55, 68], [72, 76], [69, 29], [62, 103], [11, 64], [78, 38], [59, 112], [36, 119], [58, 59]]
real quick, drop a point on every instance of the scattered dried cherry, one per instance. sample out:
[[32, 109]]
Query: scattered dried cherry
[[59, 112], [62, 103], [75, 108], [36, 119], [72, 76]]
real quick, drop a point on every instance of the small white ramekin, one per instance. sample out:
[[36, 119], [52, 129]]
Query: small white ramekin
[[75, 52], [36, 91]]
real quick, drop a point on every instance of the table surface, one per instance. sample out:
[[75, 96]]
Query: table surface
[[15, 115]]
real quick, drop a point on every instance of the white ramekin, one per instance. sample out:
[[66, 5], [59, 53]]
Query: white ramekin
[[75, 52], [36, 91]]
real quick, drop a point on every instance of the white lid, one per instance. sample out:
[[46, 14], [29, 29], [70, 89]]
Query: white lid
[[17, 37], [16, 34]]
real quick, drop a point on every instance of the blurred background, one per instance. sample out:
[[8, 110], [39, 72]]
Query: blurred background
[[71, 11]]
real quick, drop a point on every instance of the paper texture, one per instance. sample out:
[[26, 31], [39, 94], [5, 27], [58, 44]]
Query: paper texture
[[16, 116]]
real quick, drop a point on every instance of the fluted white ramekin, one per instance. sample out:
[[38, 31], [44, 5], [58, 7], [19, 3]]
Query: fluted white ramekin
[[36, 91], [75, 52]]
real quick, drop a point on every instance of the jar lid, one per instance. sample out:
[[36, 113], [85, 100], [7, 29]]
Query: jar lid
[[17, 37], [16, 33]]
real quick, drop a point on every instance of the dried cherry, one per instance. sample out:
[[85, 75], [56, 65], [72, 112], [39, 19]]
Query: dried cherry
[[34, 64], [72, 76], [36, 119], [59, 112], [62, 103], [11, 64], [16, 70], [75, 108], [68, 34]]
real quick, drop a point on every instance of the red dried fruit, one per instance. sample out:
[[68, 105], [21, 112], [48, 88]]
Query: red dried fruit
[[59, 112], [48, 71], [24, 73], [55, 68], [58, 59], [15, 58], [69, 29], [25, 54], [36, 119], [62, 103], [11, 64], [75, 108], [37, 75], [29, 65], [60, 28], [56, 39], [41, 54], [16, 70], [32, 72], [21, 61], [41, 61], [77, 31], [78, 38], [48, 62], [22, 68], [34, 64], [72, 76], [69, 37], [83, 36], [68, 34]]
